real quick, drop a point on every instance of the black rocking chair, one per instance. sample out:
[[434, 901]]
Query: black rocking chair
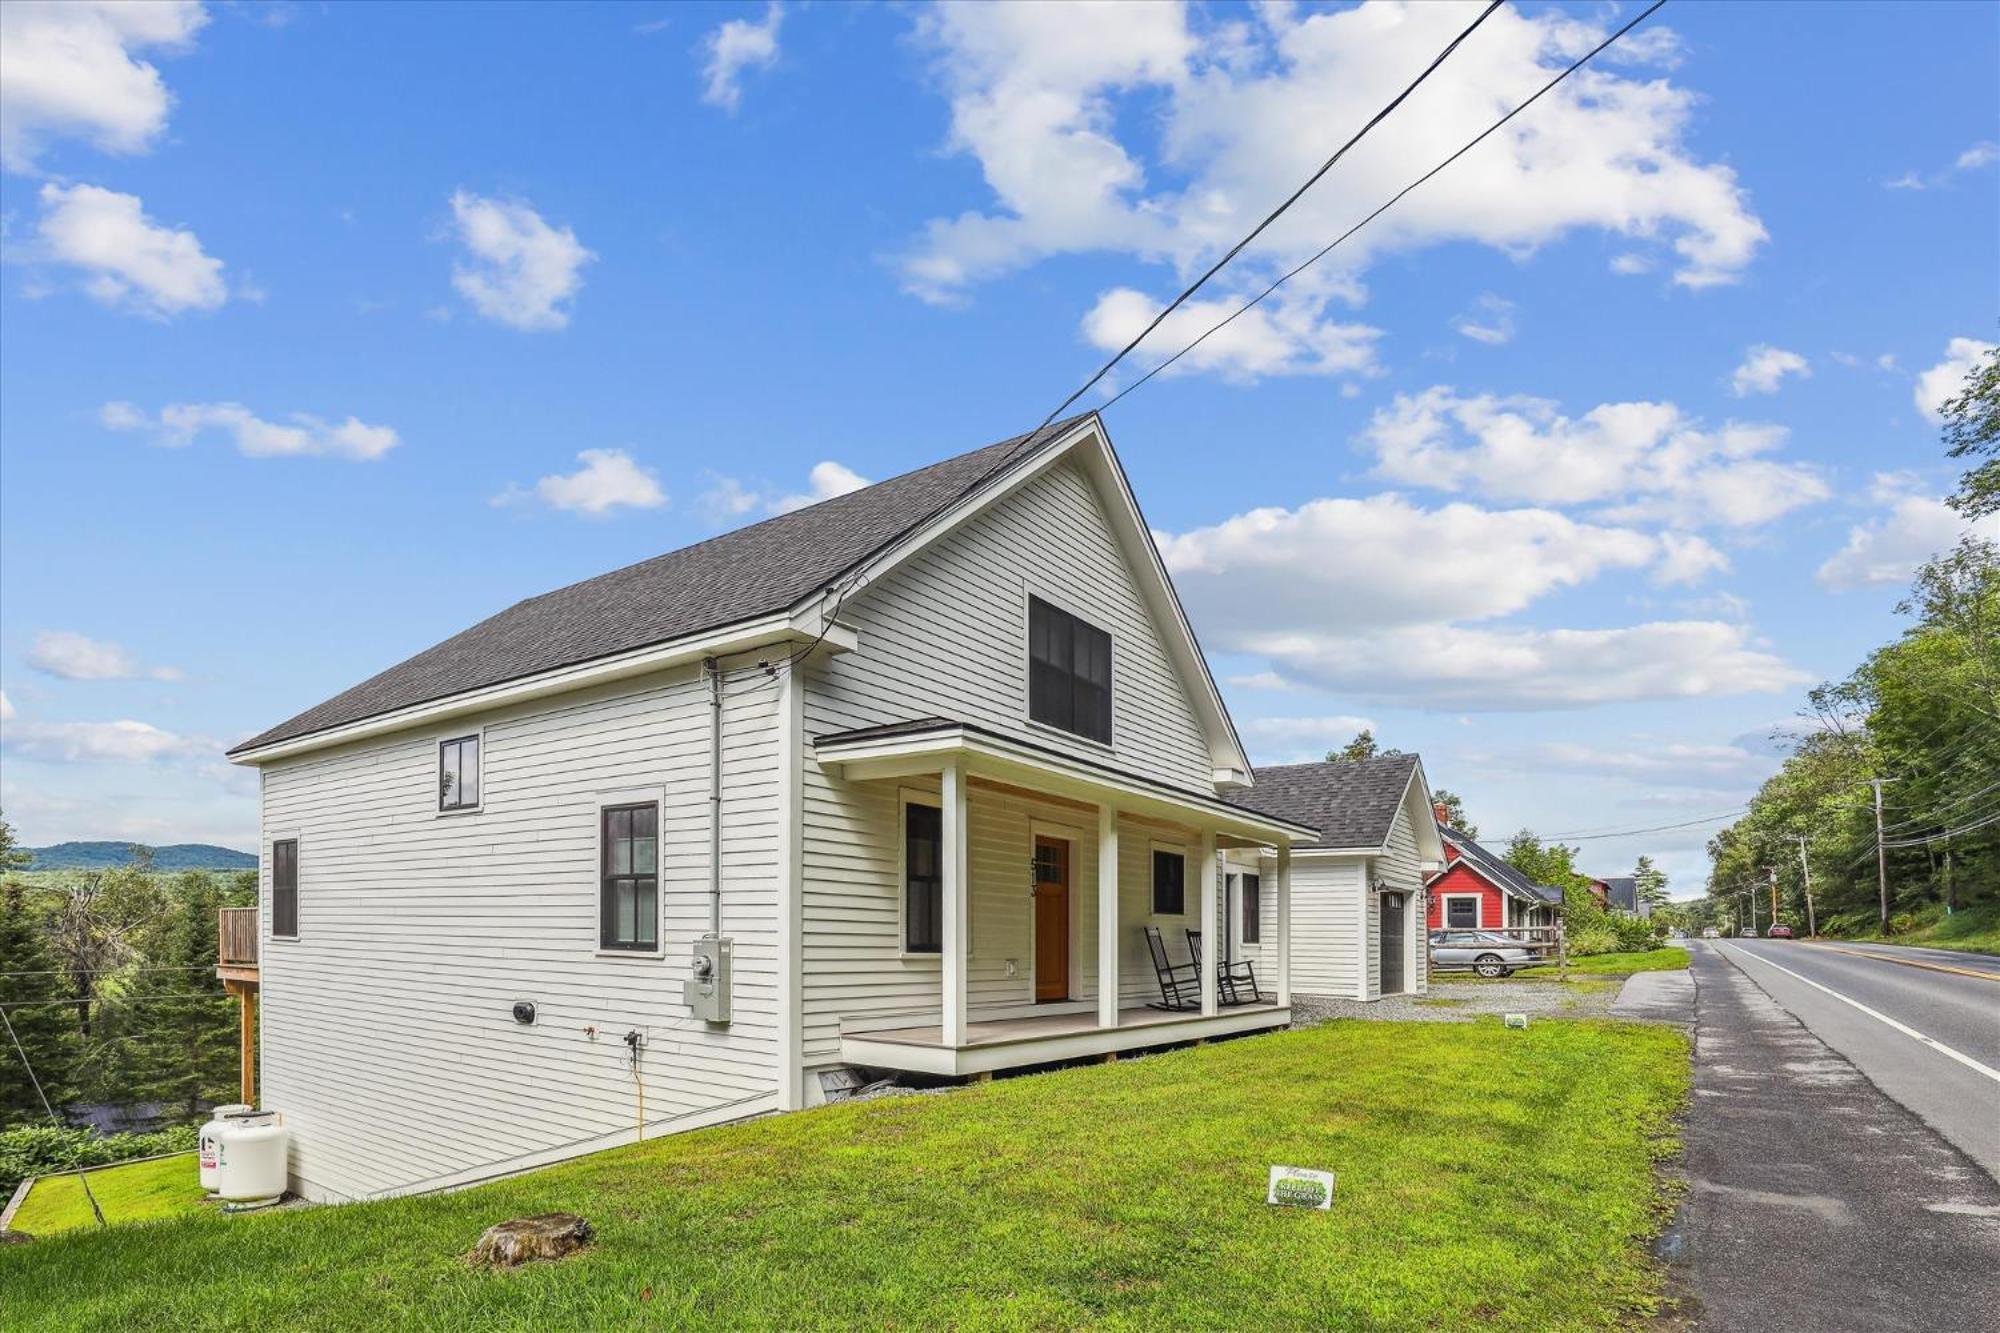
[[1236, 983], [1180, 983]]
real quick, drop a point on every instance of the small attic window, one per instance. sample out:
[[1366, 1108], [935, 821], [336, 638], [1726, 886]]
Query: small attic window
[[1069, 672]]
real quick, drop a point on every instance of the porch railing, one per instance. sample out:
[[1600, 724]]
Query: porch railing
[[236, 937]]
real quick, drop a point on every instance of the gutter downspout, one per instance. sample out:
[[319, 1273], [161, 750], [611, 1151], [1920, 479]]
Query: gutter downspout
[[714, 672]]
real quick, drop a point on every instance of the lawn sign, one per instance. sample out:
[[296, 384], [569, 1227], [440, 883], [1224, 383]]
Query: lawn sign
[[1300, 1187]]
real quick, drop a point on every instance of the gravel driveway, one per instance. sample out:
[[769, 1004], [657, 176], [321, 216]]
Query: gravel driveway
[[1464, 1001]]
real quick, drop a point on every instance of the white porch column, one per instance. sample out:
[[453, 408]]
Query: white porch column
[[955, 902], [1210, 944], [1284, 923], [1107, 916]]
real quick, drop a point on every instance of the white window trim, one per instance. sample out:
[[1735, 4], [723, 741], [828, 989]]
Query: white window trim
[[1236, 923], [905, 798], [1478, 913], [657, 798], [1074, 836], [269, 870], [443, 738], [1031, 589], [1187, 862]]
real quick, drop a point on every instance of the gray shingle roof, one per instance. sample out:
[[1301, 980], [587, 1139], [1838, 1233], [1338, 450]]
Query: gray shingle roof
[[1500, 870], [1623, 892], [737, 576], [1351, 804]]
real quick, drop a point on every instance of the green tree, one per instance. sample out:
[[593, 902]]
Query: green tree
[[1361, 747], [33, 991], [1972, 430], [1454, 810], [1649, 884], [182, 1037]]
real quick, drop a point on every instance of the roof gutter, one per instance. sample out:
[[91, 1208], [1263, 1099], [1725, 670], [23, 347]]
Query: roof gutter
[[722, 642]]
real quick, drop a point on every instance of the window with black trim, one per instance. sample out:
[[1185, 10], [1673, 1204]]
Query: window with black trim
[[1069, 672], [1461, 913], [629, 891], [923, 879], [285, 886], [1252, 889], [1169, 884], [458, 773]]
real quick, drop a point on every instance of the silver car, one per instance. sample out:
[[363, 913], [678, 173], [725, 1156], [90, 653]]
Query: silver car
[[1487, 954]]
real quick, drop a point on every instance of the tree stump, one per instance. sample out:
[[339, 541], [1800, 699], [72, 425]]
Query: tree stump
[[545, 1236]]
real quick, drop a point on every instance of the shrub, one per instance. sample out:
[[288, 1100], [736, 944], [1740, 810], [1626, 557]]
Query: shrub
[[1636, 934], [37, 1150], [1596, 937]]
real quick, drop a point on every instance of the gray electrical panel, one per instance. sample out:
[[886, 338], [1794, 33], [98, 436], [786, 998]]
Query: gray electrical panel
[[706, 991]]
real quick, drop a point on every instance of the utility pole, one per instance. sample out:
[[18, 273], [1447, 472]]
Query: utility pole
[[1805, 872], [1772, 871], [1881, 856]]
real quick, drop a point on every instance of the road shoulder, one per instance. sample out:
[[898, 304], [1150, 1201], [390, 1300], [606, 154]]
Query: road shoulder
[[1815, 1201]]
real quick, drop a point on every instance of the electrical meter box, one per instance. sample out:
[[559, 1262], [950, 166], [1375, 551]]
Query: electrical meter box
[[706, 991]]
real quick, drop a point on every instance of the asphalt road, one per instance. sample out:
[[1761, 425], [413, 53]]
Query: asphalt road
[[1953, 999], [1820, 1200]]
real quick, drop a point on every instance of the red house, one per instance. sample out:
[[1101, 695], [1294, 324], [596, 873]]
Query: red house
[[1479, 891]]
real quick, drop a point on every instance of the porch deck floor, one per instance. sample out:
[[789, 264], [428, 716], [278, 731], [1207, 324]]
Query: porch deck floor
[[1000, 1031]]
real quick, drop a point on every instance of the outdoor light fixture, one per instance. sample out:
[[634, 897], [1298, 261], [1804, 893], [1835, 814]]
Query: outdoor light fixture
[[524, 1012]]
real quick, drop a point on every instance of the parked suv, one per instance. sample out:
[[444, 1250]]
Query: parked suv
[[1487, 954]]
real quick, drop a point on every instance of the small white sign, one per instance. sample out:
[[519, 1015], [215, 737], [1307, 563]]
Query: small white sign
[[1300, 1187], [1516, 1020]]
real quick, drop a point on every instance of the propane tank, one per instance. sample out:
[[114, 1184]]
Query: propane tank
[[250, 1157], [207, 1141]]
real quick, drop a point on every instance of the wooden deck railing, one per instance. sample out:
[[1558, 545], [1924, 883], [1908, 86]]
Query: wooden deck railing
[[236, 937]]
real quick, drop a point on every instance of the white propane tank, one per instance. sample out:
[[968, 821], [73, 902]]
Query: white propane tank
[[250, 1157], [207, 1142]]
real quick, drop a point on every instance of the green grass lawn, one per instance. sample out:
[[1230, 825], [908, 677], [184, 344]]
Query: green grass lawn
[[1617, 964], [1127, 1195], [132, 1192], [1972, 930]]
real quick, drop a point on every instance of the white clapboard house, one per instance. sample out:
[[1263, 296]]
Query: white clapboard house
[[896, 782], [1357, 887]]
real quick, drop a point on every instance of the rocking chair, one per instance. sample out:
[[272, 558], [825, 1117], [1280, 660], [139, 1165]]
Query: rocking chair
[[1180, 983], [1236, 981]]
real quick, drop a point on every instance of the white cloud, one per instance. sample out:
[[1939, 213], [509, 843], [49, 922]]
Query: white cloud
[[520, 271], [1982, 154], [73, 656], [299, 435], [1454, 666], [825, 481], [1686, 558], [608, 480], [1490, 321], [730, 497], [1042, 97], [129, 261], [1288, 335], [1284, 740], [1764, 367], [1260, 680], [67, 70], [88, 742], [1889, 549], [734, 47], [1679, 762], [1641, 460], [1383, 561], [1946, 380]]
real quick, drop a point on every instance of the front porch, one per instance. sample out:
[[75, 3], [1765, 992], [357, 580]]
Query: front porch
[[1027, 893], [1010, 1043]]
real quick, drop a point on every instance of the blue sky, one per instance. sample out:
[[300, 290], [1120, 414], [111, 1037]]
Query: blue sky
[[328, 330]]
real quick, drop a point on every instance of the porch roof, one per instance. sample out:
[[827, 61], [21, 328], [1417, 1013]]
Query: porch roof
[[920, 745]]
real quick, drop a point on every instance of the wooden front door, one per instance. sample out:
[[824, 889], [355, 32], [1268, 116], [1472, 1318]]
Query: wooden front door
[[1051, 919]]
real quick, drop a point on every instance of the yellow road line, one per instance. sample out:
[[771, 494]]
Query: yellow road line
[[1914, 962]]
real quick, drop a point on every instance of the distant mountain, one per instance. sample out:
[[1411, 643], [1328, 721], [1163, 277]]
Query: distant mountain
[[105, 855]]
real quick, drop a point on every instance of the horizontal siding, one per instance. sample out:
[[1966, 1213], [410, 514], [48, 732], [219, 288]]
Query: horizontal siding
[[1400, 870], [1327, 924], [945, 634], [387, 1036]]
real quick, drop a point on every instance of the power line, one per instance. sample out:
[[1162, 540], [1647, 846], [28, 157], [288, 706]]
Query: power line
[[1932, 817], [1986, 818], [1393, 201], [1657, 828], [107, 971], [1033, 439], [83, 1177]]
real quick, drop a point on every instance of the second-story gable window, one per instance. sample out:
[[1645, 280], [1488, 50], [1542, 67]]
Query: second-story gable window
[[458, 773], [1069, 672], [285, 887]]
